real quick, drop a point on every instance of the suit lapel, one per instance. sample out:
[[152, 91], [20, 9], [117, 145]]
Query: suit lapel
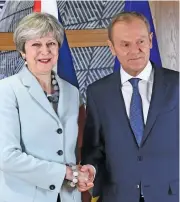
[[158, 94], [36, 92], [118, 108]]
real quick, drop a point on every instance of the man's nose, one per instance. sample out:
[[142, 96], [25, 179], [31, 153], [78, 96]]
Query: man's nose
[[135, 48]]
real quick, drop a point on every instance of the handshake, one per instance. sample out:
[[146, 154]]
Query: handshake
[[80, 176]]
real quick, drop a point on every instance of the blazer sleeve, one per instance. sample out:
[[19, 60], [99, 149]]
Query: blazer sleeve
[[93, 150], [13, 160]]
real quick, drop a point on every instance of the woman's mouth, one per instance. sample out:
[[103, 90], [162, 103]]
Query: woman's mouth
[[44, 61]]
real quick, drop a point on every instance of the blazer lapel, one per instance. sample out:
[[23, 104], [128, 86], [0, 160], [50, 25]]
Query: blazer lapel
[[36, 92], [158, 94], [63, 100]]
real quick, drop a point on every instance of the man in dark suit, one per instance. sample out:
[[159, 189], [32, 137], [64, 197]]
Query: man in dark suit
[[131, 137]]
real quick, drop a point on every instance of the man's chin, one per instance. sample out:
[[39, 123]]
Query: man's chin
[[136, 69], [137, 64]]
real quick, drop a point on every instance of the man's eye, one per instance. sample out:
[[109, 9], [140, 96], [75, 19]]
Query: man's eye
[[126, 45]]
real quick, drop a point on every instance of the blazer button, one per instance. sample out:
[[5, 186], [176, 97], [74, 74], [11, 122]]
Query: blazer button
[[60, 152], [137, 186], [52, 187], [139, 158], [59, 130]]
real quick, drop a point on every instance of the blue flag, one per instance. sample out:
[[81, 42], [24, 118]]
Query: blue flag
[[65, 67], [144, 8]]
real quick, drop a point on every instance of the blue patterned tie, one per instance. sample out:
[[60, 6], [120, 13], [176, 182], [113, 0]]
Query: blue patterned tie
[[136, 111]]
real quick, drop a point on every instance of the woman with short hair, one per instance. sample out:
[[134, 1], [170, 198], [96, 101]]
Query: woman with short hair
[[38, 120]]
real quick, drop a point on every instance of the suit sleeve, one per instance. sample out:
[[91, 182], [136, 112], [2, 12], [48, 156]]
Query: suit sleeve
[[93, 151], [13, 160]]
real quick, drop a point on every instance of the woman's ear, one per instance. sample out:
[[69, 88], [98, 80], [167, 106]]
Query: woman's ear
[[23, 55]]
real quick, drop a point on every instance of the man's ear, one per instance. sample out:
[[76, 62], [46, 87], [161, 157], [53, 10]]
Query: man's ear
[[151, 38], [110, 44]]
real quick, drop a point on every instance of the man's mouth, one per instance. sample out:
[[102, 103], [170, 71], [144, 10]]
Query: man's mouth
[[135, 58]]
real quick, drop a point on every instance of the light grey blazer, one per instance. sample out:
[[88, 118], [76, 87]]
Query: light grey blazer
[[30, 168]]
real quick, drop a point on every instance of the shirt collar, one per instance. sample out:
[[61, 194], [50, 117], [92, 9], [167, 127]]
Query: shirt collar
[[144, 75]]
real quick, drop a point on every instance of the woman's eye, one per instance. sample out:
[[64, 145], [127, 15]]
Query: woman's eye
[[51, 44], [36, 44]]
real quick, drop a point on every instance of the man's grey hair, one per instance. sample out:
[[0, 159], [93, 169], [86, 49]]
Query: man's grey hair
[[36, 25], [127, 17]]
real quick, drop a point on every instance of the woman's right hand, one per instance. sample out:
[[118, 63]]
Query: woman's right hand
[[69, 173], [85, 177]]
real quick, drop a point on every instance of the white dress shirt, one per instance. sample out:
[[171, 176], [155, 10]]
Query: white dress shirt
[[145, 88]]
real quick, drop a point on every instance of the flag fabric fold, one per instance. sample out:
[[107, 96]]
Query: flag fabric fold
[[65, 63]]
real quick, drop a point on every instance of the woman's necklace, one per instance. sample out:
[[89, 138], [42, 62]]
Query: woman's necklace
[[54, 96]]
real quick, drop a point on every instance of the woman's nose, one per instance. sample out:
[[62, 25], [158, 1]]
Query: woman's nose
[[45, 50]]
